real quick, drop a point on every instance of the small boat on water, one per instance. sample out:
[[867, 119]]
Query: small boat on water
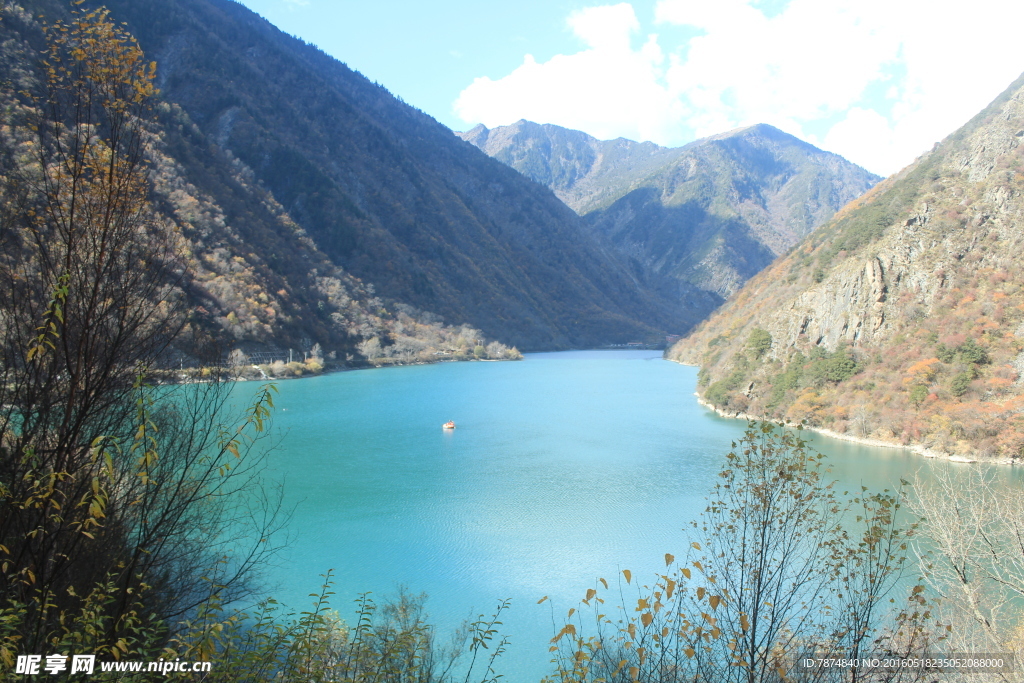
[[448, 425]]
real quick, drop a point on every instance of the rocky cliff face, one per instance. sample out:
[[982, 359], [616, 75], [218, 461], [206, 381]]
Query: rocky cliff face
[[902, 317], [707, 216]]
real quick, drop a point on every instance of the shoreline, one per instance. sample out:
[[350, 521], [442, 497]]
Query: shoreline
[[368, 365], [919, 449], [339, 367]]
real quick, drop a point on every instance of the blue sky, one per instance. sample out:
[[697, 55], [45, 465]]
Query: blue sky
[[878, 81]]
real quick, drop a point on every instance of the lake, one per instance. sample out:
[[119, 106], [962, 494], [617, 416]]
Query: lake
[[563, 468]]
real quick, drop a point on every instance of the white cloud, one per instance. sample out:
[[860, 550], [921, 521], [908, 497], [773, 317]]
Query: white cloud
[[808, 62], [878, 81], [609, 89]]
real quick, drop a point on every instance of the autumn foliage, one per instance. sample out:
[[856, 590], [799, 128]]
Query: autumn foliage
[[902, 319]]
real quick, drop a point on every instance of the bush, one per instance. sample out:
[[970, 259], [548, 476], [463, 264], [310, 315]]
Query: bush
[[718, 394], [970, 352], [831, 367], [789, 379], [759, 342], [391, 642], [960, 383], [840, 368], [780, 564]]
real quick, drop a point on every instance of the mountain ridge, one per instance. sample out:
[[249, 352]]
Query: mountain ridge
[[709, 214], [378, 190]]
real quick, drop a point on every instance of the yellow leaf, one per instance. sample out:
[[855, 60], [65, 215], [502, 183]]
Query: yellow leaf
[[604, 583], [686, 572], [591, 593], [700, 592], [568, 629], [696, 545], [646, 618], [690, 652], [627, 574], [714, 600], [542, 599], [744, 622], [669, 558]]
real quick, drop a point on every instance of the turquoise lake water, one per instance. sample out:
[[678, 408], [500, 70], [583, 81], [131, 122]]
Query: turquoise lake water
[[563, 468]]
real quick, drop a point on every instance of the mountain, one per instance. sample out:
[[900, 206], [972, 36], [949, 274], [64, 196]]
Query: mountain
[[308, 176], [583, 172], [901, 319], [708, 215]]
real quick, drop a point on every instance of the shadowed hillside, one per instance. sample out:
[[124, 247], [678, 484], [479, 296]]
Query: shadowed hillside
[[384, 191]]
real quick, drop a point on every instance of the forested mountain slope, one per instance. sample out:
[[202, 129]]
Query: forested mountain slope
[[383, 190], [253, 278], [708, 215], [901, 319], [318, 208]]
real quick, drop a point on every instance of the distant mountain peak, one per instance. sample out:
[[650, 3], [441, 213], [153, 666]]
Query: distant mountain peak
[[764, 129], [476, 135], [710, 213]]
